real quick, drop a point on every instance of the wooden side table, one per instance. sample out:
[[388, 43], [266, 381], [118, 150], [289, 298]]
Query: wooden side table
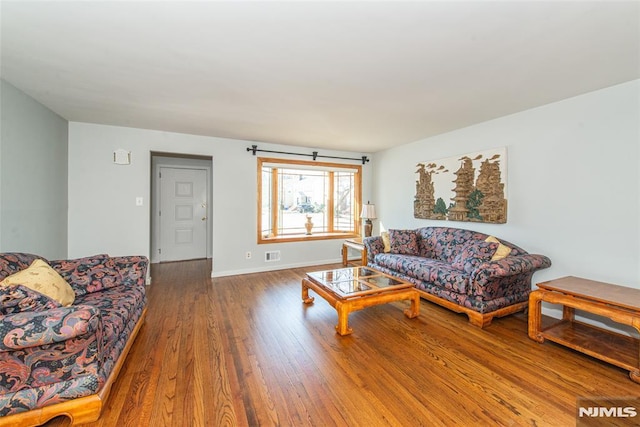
[[619, 303], [358, 246]]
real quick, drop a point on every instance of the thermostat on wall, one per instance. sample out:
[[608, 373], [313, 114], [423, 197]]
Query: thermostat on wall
[[122, 157]]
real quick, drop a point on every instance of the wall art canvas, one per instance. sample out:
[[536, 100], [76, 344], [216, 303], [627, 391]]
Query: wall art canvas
[[471, 187]]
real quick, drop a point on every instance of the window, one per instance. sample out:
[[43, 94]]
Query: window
[[296, 193]]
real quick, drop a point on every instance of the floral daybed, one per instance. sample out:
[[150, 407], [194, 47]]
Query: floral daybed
[[463, 270], [62, 360]]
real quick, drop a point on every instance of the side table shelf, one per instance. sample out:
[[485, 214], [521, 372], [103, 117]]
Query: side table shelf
[[618, 303]]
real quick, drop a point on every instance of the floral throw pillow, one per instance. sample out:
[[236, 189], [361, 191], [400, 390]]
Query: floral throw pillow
[[474, 254], [42, 278], [403, 242]]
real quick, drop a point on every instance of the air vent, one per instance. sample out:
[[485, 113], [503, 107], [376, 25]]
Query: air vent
[[272, 256]]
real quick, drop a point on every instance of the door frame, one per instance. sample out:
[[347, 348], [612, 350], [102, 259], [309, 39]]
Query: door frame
[[177, 161]]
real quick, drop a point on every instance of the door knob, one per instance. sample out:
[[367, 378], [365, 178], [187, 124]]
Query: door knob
[[204, 218]]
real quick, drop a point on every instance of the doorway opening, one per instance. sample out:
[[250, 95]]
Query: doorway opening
[[181, 197]]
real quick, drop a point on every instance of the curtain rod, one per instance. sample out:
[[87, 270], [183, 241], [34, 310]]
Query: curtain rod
[[314, 154]]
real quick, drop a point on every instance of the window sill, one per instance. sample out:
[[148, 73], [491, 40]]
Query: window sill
[[305, 237]]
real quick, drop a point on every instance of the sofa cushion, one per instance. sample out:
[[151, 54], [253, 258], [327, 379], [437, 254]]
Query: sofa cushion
[[18, 298], [40, 277], [88, 274], [12, 262], [428, 270], [444, 243], [403, 242], [117, 305], [473, 254]]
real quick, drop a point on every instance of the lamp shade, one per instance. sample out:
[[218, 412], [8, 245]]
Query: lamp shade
[[368, 211]]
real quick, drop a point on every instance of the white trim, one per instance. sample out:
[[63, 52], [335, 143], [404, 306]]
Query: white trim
[[277, 267], [295, 166]]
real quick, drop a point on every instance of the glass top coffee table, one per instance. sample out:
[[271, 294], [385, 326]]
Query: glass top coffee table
[[355, 288]]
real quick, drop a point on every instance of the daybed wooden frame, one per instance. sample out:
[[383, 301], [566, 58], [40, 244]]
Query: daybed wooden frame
[[83, 409]]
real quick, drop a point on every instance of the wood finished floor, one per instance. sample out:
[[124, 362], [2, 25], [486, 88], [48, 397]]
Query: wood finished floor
[[245, 351]]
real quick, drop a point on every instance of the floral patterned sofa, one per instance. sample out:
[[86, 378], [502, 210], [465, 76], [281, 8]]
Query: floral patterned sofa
[[459, 269], [62, 360]]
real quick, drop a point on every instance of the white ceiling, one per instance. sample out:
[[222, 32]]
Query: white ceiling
[[356, 76]]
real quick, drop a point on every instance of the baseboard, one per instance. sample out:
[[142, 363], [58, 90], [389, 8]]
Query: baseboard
[[274, 267]]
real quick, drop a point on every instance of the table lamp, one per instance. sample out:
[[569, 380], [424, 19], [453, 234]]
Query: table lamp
[[368, 213]]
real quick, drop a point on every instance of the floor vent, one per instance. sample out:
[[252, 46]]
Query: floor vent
[[272, 256]]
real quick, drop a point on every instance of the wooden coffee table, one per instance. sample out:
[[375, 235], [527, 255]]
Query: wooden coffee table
[[355, 288]]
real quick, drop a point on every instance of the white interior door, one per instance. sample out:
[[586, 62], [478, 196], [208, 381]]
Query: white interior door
[[183, 214]]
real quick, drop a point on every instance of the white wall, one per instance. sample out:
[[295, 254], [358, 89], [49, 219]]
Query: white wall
[[103, 216], [33, 176], [573, 182]]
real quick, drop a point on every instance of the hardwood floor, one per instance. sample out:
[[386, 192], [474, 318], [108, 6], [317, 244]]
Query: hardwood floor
[[244, 350]]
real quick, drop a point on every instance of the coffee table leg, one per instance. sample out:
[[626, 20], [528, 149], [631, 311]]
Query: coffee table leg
[[343, 319], [414, 310], [305, 293]]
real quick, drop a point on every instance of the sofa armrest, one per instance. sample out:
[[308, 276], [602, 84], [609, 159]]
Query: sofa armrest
[[132, 269], [491, 278], [35, 329], [49, 347], [510, 266], [374, 245]]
